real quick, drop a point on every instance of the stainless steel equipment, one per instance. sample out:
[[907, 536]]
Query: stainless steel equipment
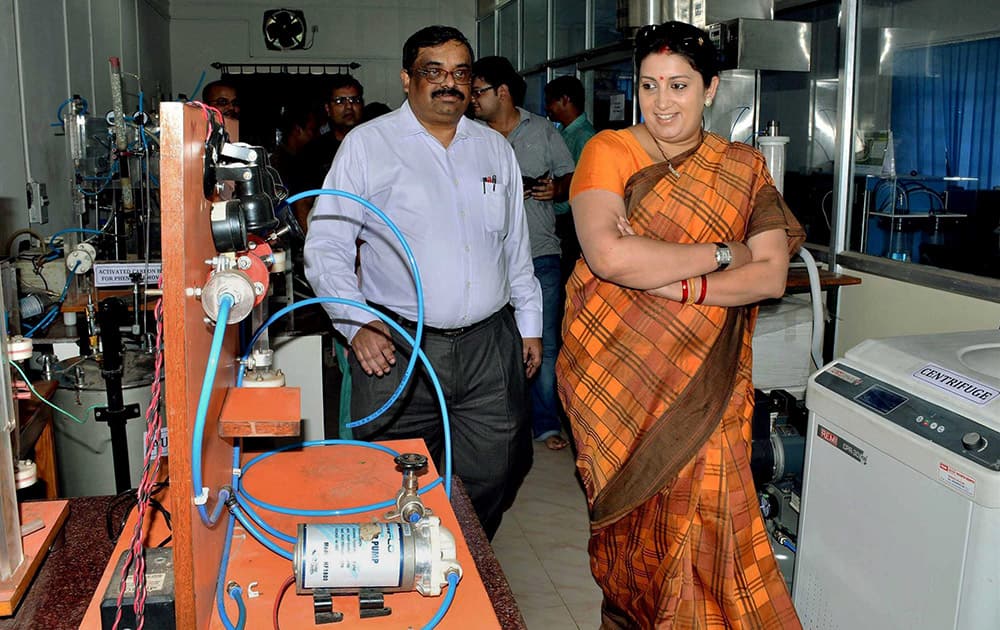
[[750, 44], [83, 451], [698, 12], [747, 47]]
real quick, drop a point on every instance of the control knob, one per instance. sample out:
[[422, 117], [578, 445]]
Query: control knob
[[972, 441]]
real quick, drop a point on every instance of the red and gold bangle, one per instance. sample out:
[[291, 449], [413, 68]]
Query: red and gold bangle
[[704, 290], [684, 291]]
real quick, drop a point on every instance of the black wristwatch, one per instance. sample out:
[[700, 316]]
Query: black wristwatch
[[723, 256]]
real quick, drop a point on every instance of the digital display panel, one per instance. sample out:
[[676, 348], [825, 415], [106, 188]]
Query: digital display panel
[[880, 400]]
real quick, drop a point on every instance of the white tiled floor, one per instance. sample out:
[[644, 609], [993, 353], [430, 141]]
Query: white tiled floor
[[542, 547]]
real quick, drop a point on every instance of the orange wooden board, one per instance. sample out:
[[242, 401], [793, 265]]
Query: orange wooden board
[[325, 478], [185, 218], [337, 477], [36, 545], [798, 280], [261, 412]]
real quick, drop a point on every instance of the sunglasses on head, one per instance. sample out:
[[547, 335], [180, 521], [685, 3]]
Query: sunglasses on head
[[675, 35]]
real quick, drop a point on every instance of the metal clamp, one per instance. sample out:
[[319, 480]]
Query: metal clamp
[[323, 611]]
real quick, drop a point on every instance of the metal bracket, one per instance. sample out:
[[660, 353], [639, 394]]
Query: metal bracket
[[371, 603], [103, 414], [323, 611]]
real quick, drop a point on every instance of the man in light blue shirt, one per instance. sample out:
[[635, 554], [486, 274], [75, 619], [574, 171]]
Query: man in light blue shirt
[[453, 188]]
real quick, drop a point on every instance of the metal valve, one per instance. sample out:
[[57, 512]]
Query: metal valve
[[409, 507]]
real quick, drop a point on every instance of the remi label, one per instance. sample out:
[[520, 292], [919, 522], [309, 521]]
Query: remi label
[[840, 443]]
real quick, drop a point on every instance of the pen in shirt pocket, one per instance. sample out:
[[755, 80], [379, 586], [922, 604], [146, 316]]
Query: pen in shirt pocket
[[492, 179]]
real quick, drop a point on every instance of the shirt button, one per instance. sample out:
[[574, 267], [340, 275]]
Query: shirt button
[[467, 248]]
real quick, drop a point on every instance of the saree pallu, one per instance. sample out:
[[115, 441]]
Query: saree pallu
[[660, 397]]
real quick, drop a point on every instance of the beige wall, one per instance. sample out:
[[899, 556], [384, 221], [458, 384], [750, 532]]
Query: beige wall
[[881, 307], [370, 32]]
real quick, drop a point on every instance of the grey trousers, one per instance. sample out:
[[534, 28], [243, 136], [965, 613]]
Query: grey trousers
[[482, 376]]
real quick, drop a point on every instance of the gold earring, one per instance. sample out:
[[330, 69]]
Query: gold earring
[[708, 102]]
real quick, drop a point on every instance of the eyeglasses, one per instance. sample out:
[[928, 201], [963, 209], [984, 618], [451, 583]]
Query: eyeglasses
[[477, 92], [344, 100], [224, 102], [462, 76]]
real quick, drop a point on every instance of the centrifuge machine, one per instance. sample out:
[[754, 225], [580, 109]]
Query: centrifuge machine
[[900, 524]]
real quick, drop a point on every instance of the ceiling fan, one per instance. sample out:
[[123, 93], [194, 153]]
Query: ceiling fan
[[284, 29]]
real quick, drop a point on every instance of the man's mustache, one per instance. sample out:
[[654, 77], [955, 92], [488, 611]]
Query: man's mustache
[[448, 92]]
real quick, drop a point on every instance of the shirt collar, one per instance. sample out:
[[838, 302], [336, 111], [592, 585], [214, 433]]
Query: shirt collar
[[410, 126], [579, 121], [525, 116]]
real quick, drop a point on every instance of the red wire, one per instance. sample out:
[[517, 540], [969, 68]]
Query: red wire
[[209, 112], [144, 492], [281, 594]]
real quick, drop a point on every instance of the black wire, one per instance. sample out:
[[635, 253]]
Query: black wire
[[129, 499], [38, 272]]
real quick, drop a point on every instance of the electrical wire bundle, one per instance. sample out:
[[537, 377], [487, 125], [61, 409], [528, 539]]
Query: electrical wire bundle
[[147, 486]]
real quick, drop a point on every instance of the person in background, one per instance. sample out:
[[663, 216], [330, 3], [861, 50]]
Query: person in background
[[497, 93], [373, 110], [223, 96], [453, 188], [299, 125], [344, 104], [682, 233], [564, 103]]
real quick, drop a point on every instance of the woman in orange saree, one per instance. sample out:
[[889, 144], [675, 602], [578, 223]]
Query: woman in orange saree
[[682, 233]]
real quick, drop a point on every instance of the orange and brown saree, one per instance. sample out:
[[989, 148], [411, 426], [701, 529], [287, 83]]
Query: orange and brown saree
[[660, 397]]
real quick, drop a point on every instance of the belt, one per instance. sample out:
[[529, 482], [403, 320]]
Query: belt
[[433, 330]]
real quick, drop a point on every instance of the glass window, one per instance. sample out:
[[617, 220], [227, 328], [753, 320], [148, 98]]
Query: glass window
[[806, 106], [485, 7], [570, 27], [606, 23], [613, 87], [508, 32], [536, 32], [534, 98], [926, 135], [487, 41], [564, 71]]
